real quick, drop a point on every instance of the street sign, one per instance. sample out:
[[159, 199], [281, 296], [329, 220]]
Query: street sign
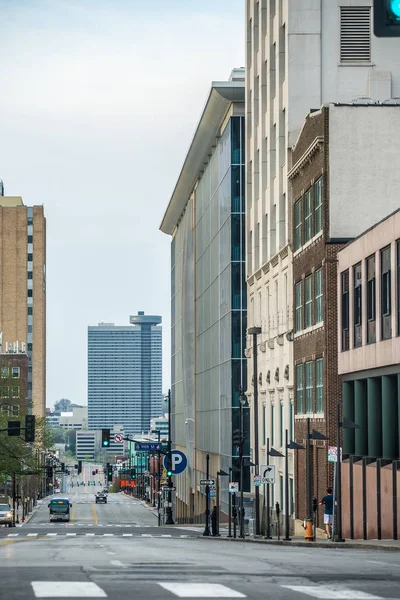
[[165, 488], [268, 474], [332, 454], [257, 480], [148, 447], [178, 462], [147, 473], [207, 481], [118, 438], [233, 487]]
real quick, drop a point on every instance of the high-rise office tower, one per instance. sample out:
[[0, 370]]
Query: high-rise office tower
[[125, 374], [300, 54], [23, 291]]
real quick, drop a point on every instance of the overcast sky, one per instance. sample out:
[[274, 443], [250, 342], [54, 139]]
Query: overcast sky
[[99, 100]]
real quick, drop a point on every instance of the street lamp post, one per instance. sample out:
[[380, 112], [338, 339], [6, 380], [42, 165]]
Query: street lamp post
[[158, 432], [242, 403], [345, 423], [206, 531], [311, 435], [255, 331], [169, 520]]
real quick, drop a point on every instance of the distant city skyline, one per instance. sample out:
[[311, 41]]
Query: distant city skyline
[[97, 111]]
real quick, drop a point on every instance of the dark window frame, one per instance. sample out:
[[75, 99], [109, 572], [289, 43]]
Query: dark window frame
[[386, 292], [371, 300], [345, 304]]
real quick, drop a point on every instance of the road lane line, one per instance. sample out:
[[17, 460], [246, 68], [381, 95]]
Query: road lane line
[[70, 534], [331, 592], [73, 511], [127, 534], [94, 514], [13, 535], [32, 534], [200, 590], [67, 589]]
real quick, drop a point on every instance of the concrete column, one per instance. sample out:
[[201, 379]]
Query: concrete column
[[348, 411], [374, 399], [389, 416], [361, 417]]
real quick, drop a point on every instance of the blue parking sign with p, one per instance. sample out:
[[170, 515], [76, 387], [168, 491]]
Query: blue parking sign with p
[[178, 462]]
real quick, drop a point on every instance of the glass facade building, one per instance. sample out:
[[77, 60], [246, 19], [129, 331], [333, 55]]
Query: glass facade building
[[125, 374], [206, 219]]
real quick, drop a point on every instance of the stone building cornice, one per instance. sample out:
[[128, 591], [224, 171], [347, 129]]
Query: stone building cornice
[[313, 148]]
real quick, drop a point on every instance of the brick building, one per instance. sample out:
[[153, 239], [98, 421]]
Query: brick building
[[14, 384], [334, 183]]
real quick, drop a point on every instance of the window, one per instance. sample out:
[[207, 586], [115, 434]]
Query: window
[[345, 309], [5, 372], [309, 387], [4, 409], [30, 275], [299, 389], [308, 233], [318, 206], [281, 424], [291, 496], [15, 391], [281, 488], [30, 239], [319, 385], [398, 285], [290, 421], [386, 305], [299, 306], [15, 410], [371, 301], [30, 257], [264, 425], [319, 297], [297, 225], [357, 305], [15, 372], [355, 34], [272, 425], [308, 302]]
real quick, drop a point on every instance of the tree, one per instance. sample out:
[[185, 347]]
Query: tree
[[63, 405]]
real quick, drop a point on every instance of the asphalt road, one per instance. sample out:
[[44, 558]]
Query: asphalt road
[[112, 561]]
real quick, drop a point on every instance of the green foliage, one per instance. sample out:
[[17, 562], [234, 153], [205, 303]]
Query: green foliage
[[63, 405]]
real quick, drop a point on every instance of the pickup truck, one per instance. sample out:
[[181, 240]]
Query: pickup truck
[[101, 497]]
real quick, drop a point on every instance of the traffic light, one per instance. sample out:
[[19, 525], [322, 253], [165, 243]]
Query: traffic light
[[169, 466], [14, 428], [30, 428], [133, 474], [237, 438], [387, 18], [105, 438], [63, 467], [109, 472], [79, 467]]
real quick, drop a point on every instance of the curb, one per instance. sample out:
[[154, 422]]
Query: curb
[[334, 545]]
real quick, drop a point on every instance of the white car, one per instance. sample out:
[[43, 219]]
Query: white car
[[6, 515]]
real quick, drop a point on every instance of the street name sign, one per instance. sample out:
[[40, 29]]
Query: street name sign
[[147, 446], [268, 474], [165, 488], [207, 481], [233, 487]]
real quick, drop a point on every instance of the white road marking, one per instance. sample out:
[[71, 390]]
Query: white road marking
[[32, 534], [127, 534], [111, 553], [51, 534], [67, 589], [331, 592], [70, 534], [90, 534], [108, 534], [166, 535], [200, 590], [377, 562], [13, 535], [146, 535]]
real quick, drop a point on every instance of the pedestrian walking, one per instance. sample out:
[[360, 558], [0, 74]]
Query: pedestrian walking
[[214, 521], [327, 501]]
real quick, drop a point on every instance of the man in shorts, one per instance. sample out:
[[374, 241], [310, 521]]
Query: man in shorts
[[328, 513]]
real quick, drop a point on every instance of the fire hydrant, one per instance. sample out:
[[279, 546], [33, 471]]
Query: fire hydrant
[[308, 527]]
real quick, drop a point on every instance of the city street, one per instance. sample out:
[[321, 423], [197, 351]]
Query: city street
[[109, 550]]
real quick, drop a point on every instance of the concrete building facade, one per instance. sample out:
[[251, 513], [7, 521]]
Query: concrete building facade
[[125, 374], [23, 290], [299, 55], [205, 218]]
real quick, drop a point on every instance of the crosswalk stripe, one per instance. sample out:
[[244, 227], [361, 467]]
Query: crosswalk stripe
[[168, 536], [200, 590], [32, 534], [70, 534], [67, 589], [146, 535], [127, 534], [13, 535], [108, 534], [331, 592], [91, 534], [51, 534]]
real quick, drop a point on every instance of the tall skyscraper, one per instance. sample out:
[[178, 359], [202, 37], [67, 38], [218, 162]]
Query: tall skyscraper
[[23, 291], [125, 374]]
